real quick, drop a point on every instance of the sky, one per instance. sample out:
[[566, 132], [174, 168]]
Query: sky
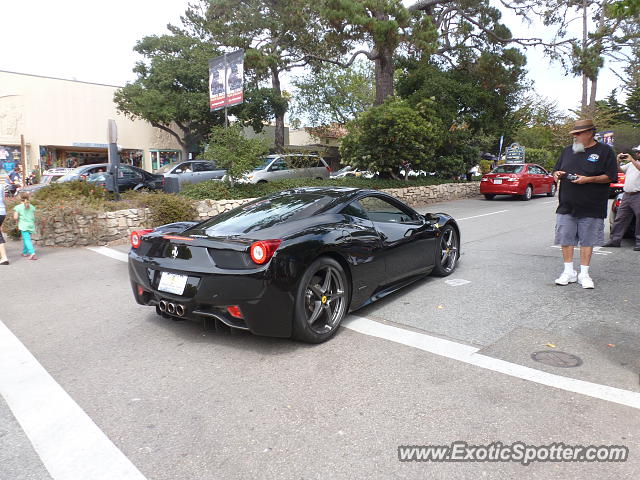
[[93, 42]]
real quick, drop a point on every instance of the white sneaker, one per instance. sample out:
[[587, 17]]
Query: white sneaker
[[585, 281], [567, 278]]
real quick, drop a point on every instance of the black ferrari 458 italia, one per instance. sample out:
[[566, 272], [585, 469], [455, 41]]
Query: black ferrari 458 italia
[[293, 263]]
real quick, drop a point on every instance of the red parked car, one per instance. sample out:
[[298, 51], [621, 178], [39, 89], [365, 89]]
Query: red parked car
[[522, 179]]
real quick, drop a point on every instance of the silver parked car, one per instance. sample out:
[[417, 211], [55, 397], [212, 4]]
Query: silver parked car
[[192, 171], [288, 165], [48, 177]]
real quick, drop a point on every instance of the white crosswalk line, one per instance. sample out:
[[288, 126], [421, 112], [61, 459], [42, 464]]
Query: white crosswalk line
[[69, 443]]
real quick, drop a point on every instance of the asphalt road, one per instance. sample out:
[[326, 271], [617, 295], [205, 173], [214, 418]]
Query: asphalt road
[[182, 402]]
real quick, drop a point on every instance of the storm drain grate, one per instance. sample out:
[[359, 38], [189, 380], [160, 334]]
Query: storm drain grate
[[556, 359]]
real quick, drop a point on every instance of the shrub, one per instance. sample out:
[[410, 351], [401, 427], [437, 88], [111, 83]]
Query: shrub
[[542, 157], [231, 150], [215, 190], [387, 135], [166, 207], [79, 193]]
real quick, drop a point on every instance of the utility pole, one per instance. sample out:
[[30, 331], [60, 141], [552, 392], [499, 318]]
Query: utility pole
[[23, 160]]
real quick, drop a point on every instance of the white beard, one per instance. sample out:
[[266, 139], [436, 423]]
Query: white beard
[[577, 147]]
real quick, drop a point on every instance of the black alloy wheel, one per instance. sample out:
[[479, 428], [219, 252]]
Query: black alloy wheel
[[489, 196], [447, 251], [552, 190], [322, 301], [528, 193]]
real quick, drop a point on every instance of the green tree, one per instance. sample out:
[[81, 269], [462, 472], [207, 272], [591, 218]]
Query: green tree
[[272, 33], [171, 89], [332, 94], [388, 135], [626, 9], [383, 30], [603, 35], [231, 150], [475, 101]]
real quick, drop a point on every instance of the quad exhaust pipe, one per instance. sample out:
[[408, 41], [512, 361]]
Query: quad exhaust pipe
[[171, 308]]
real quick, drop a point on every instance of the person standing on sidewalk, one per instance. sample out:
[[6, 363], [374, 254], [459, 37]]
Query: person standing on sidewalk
[[585, 170], [3, 213], [630, 205], [25, 215]]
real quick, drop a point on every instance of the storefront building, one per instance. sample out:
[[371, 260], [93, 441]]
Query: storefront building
[[64, 124]]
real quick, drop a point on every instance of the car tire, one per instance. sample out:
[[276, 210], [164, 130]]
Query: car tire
[[323, 285], [528, 194], [489, 196], [552, 191], [447, 251]]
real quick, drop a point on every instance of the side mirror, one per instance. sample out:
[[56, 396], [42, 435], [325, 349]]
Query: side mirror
[[430, 218]]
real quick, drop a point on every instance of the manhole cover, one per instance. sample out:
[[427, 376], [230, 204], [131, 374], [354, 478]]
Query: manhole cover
[[556, 359]]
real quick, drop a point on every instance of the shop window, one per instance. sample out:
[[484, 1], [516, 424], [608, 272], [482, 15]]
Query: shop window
[[160, 158], [9, 157]]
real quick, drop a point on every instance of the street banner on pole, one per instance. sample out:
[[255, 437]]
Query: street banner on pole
[[226, 79], [605, 137]]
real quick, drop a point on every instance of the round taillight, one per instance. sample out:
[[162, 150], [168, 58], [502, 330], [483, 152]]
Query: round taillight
[[136, 237], [258, 252], [262, 251]]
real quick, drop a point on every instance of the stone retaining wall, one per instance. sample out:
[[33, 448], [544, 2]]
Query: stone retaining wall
[[115, 227]]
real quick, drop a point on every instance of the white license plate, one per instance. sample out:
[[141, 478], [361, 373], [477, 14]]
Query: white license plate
[[172, 283], [497, 182]]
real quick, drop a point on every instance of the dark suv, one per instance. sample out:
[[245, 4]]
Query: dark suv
[[129, 177]]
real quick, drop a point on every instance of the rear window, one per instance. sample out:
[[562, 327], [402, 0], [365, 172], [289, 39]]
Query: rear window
[[508, 169], [166, 168], [265, 163], [264, 213]]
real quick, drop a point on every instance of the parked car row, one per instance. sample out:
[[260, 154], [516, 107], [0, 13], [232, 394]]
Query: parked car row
[[278, 167]]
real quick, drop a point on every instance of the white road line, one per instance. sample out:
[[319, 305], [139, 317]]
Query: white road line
[[70, 445], [110, 252], [469, 355], [483, 215]]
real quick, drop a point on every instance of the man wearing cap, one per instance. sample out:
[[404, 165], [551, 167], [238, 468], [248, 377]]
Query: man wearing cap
[[630, 205], [585, 170]]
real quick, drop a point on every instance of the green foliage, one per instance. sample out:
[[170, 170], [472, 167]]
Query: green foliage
[[171, 89], [485, 166], [475, 102], [166, 208], [625, 9], [231, 150], [387, 135], [543, 157], [64, 202], [84, 194], [214, 190], [274, 36], [333, 94], [450, 166]]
